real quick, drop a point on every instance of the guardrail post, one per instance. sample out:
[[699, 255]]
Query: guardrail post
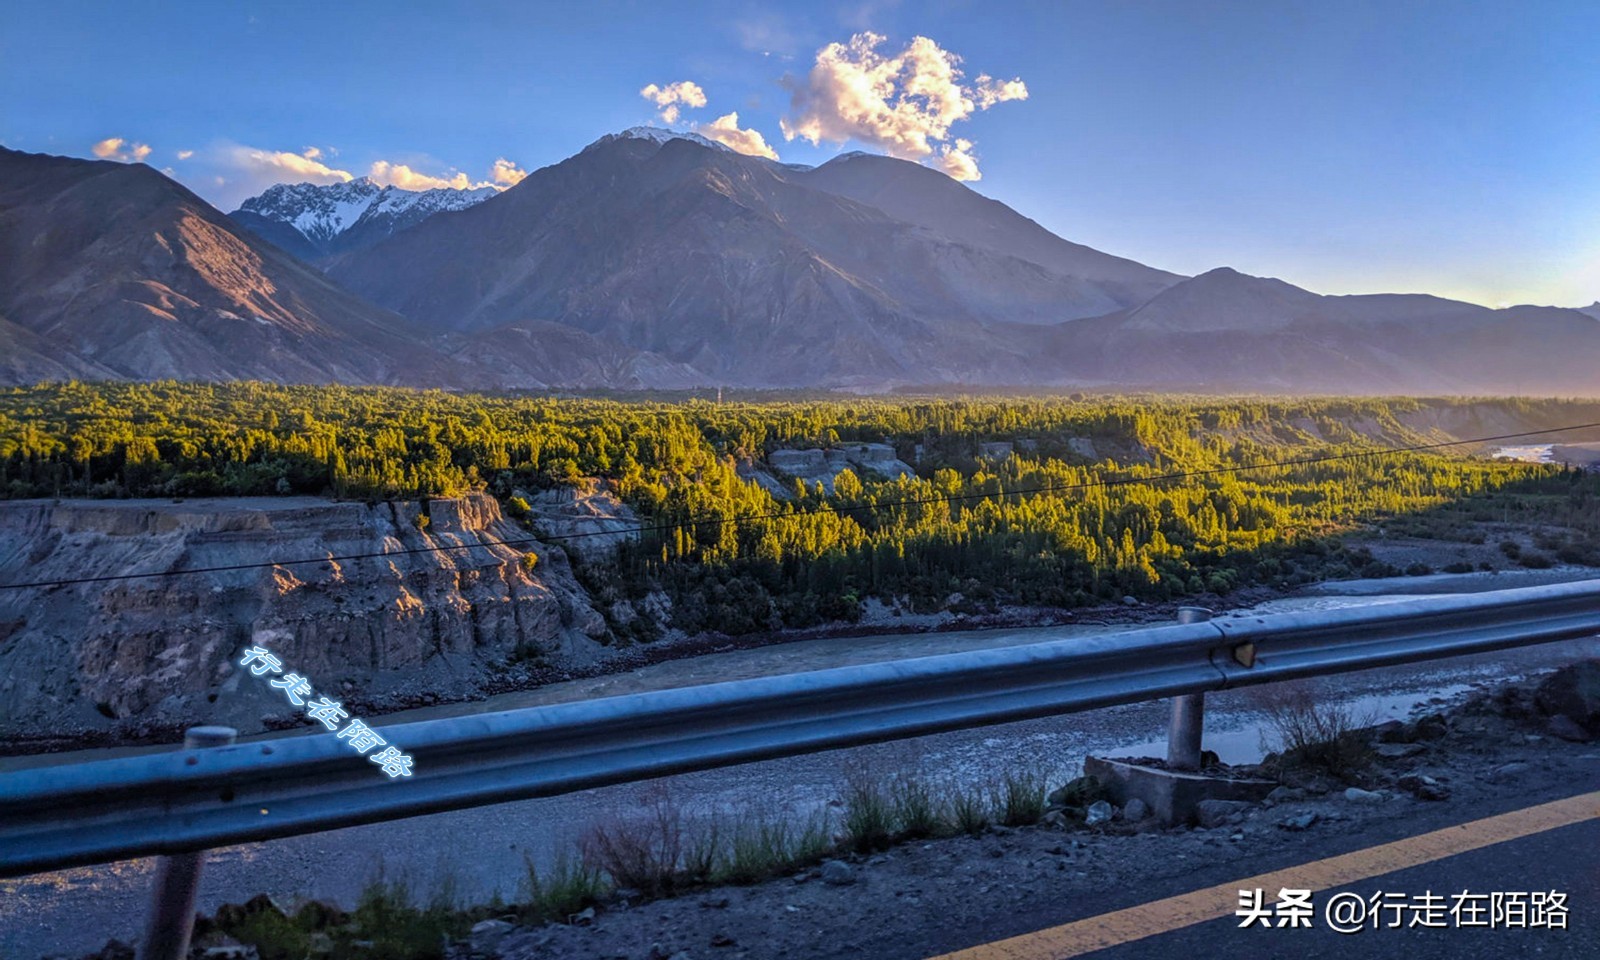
[[178, 876], [1188, 712]]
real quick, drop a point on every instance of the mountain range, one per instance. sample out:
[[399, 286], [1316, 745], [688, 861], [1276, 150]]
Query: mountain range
[[313, 222], [660, 260]]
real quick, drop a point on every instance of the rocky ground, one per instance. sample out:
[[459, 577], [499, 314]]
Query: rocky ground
[[1459, 760], [1488, 744]]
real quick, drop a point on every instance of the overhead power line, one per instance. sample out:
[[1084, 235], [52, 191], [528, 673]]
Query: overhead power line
[[830, 508]]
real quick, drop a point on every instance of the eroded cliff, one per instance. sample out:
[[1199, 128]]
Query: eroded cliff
[[128, 657]]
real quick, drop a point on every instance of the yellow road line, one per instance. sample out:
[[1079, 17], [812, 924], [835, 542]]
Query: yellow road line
[[1174, 913]]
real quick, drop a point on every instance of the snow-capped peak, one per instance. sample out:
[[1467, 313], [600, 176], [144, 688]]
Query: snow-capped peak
[[659, 135], [323, 213]]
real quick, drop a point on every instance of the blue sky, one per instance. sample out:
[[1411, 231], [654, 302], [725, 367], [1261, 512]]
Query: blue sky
[[1347, 147]]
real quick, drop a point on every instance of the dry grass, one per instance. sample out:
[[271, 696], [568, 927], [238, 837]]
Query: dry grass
[[1308, 732]]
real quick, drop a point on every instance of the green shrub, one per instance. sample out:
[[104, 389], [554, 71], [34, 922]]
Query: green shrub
[[568, 888], [915, 814], [868, 816], [969, 811], [1021, 798]]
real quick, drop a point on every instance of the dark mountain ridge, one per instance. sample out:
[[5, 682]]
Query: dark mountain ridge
[[653, 260]]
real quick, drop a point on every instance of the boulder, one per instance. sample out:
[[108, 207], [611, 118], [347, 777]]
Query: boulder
[[1077, 793], [1358, 795], [1431, 727], [1567, 728], [487, 934], [1573, 692], [1397, 751], [1508, 771], [1388, 731], [1099, 812], [1135, 810], [1424, 787], [837, 873]]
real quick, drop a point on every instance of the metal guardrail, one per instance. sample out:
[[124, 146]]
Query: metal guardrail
[[190, 800]]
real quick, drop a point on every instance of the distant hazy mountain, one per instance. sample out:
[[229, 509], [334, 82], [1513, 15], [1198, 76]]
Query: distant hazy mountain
[[110, 269], [1592, 310], [752, 272], [1224, 330], [312, 221]]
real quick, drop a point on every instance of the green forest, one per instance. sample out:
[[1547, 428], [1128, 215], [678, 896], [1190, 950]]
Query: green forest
[[1047, 524]]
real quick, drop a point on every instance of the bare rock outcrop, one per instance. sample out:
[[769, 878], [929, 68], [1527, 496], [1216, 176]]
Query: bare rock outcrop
[[381, 615], [588, 518]]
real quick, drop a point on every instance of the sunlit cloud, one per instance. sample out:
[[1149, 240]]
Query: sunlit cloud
[[506, 174], [282, 166], [725, 130], [957, 161], [990, 91], [903, 104], [228, 173], [669, 98], [399, 175], [117, 148]]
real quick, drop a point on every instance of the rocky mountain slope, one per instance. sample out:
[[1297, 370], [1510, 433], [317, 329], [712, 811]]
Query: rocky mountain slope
[[659, 260], [917, 195], [132, 656], [113, 269], [751, 272], [312, 221]]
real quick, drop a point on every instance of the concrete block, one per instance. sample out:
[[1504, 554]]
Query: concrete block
[[1173, 796]]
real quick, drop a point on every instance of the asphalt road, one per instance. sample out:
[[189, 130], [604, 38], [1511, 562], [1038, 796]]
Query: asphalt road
[[1564, 859]]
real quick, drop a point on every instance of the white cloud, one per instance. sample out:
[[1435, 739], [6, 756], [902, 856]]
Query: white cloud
[[280, 166], [991, 91], [506, 174], [668, 98], [117, 148], [228, 173], [957, 161], [725, 130], [903, 104]]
